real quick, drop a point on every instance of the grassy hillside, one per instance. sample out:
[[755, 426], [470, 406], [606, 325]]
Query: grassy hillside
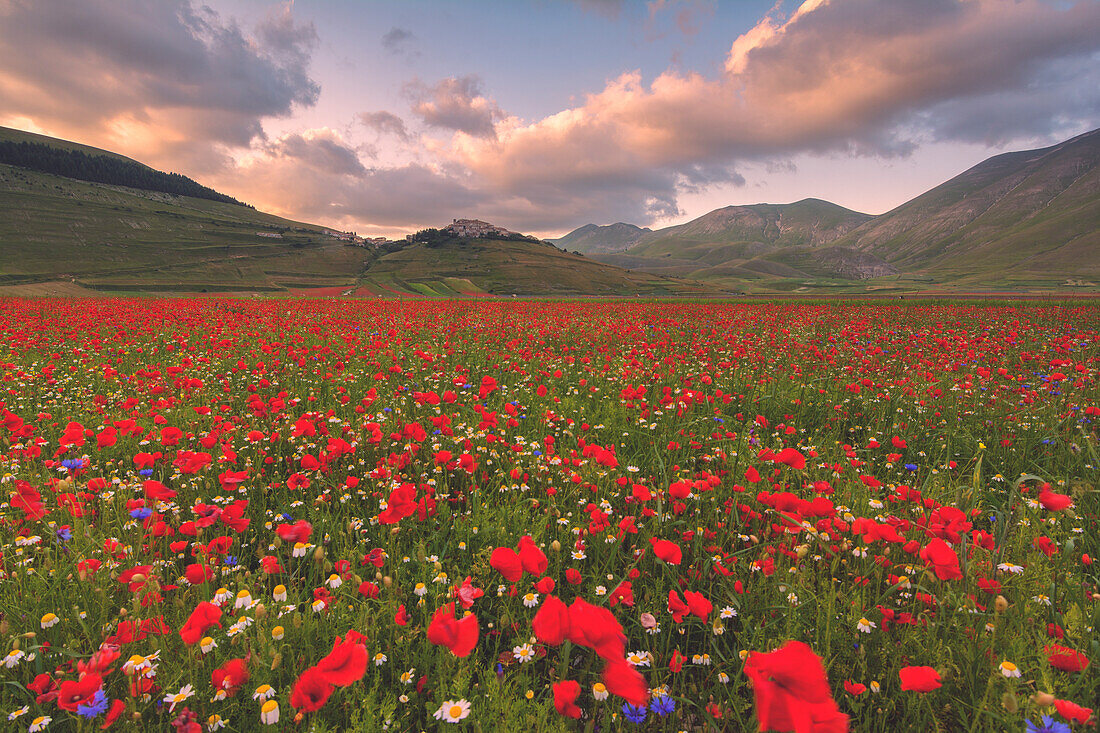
[[1020, 218], [758, 247], [504, 267], [607, 238], [63, 235], [115, 238]]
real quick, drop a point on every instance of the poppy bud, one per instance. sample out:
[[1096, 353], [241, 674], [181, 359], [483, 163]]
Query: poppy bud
[[319, 555], [1009, 702], [556, 547], [1001, 604], [1043, 699], [387, 581]]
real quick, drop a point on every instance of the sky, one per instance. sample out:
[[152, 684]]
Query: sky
[[545, 115]]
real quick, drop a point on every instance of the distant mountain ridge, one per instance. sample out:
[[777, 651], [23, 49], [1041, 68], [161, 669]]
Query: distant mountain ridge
[[1024, 217], [608, 238]]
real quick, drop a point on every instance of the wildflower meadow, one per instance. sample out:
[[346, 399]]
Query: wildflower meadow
[[413, 515]]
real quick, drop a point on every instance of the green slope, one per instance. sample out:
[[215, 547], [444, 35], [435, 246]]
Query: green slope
[[1024, 217], [500, 267], [114, 238], [762, 246]]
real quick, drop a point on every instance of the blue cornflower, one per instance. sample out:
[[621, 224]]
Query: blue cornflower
[[1050, 725], [663, 705], [634, 713], [146, 472], [71, 463], [64, 534], [500, 671], [229, 560], [141, 513], [97, 706], [910, 467]]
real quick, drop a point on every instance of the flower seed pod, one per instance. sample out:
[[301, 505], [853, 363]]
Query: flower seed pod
[[1043, 699], [276, 661]]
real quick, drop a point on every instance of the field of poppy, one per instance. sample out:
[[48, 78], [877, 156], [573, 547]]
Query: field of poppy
[[330, 515]]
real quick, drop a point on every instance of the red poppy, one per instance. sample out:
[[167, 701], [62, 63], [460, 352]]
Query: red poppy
[[942, 558], [565, 696], [311, 691], [204, 616], [596, 628], [297, 532], [345, 664], [1073, 711], [791, 691], [73, 693], [401, 504], [1066, 659], [668, 551], [698, 604], [919, 679], [677, 607], [1053, 501], [532, 558], [507, 562], [231, 676], [118, 707], [551, 623], [623, 680], [458, 635], [854, 688]]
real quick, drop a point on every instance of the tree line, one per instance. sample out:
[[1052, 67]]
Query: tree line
[[104, 169]]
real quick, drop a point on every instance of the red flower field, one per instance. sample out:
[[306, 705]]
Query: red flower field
[[548, 515]]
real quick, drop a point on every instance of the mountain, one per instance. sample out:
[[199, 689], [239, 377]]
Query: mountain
[[1023, 220], [608, 238], [110, 225], [1018, 218], [761, 241]]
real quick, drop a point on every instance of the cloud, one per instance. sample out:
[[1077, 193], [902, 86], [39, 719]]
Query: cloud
[[166, 81], [397, 40], [317, 175], [854, 76], [321, 149], [385, 123], [455, 103]]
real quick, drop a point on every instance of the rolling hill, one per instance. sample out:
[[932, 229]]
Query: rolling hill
[[761, 242], [65, 235], [1018, 218], [608, 238], [1027, 219]]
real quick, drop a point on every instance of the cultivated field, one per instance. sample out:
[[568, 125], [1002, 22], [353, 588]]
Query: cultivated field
[[333, 515]]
